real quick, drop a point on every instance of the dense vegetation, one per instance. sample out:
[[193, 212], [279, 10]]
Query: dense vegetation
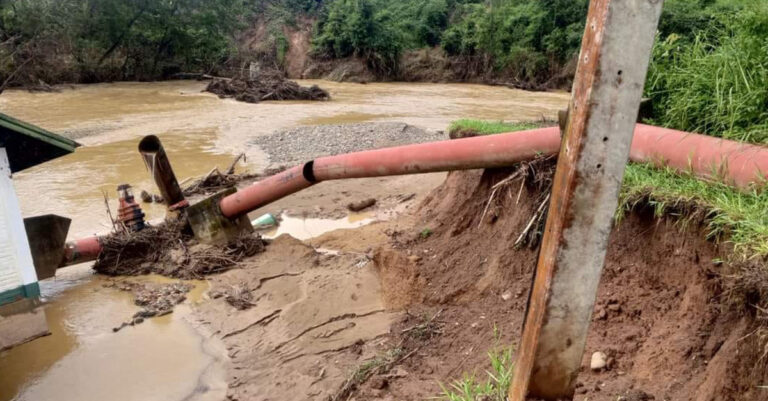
[[97, 40], [527, 41], [709, 71]]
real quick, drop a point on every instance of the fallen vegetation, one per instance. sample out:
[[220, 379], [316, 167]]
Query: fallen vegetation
[[170, 249], [216, 180], [269, 85]]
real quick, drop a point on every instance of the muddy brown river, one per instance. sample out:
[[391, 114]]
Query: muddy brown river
[[169, 358]]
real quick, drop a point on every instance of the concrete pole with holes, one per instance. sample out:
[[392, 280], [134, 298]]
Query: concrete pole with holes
[[614, 58]]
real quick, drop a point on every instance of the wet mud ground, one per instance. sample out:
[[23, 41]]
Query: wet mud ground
[[315, 310]]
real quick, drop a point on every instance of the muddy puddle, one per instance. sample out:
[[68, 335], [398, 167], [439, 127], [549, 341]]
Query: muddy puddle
[[308, 228], [165, 358], [168, 358]]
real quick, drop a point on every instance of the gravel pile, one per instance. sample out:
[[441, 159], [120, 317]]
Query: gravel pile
[[301, 144]]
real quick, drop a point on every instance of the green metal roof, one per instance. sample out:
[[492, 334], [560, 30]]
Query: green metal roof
[[28, 145]]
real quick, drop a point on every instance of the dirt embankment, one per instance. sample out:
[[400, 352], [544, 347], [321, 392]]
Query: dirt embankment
[[661, 316]]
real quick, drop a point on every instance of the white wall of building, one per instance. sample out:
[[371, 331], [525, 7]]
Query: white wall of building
[[16, 266]]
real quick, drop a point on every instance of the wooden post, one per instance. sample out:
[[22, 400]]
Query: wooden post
[[613, 62]]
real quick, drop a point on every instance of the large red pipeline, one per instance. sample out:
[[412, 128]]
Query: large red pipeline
[[459, 154], [736, 163]]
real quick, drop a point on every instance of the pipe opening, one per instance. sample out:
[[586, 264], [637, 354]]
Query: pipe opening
[[150, 144]]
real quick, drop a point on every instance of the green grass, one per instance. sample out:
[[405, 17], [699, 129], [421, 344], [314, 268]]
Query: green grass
[[740, 218], [490, 127], [493, 388]]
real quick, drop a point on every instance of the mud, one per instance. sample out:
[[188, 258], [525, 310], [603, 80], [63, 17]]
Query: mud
[[660, 316], [313, 318], [200, 131]]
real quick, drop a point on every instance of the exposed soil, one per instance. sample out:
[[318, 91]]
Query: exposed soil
[[659, 315], [402, 305]]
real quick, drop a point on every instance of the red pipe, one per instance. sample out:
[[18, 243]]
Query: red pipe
[[735, 163], [460, 154], [738, 164], [265, 191], [81, 251]]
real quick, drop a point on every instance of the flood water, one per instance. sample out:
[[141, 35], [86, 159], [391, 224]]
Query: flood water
[[168, 358]]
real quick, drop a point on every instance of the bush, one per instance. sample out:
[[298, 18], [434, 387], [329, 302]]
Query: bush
[[717, 82], [359, 28]]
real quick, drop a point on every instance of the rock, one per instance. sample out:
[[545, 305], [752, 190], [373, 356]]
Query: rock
[[507, 295], [601, 314], [599, 361], [157, 198], [361, 205], [146, 197], [414, 258], [614, 307]]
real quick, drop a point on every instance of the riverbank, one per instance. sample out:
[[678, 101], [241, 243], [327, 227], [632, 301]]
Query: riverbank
[[388, 302], [200, 131]]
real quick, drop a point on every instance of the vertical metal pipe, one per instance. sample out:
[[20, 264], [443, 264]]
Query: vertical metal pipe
[[615, 53], [156, 161]]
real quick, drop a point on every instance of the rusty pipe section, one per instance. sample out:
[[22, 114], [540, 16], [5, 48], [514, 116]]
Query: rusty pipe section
[[156, 161], [81, 251], [460, 154]]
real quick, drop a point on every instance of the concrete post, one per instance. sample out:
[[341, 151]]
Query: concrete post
[[614, 58]]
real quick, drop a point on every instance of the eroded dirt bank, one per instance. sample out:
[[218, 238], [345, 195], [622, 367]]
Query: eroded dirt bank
[[661, 316], [415, 301]]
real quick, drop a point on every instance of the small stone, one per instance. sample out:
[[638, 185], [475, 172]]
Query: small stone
[[599, 361], [601, 314], [507, 295], [414, 258], [614, 307]]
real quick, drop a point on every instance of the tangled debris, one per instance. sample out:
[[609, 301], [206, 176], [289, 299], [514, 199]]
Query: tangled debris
[[155, 299], [270, 85], [216, 181], [170, 249]]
